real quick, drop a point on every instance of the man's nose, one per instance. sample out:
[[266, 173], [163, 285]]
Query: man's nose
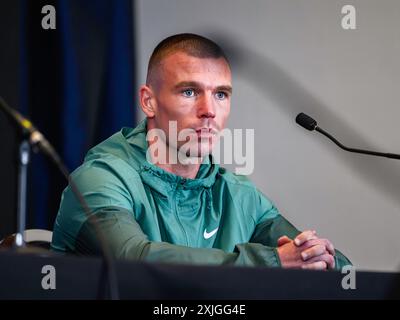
[[206, 108]]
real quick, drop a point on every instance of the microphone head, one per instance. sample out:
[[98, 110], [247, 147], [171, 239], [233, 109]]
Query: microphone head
[[306, 122]]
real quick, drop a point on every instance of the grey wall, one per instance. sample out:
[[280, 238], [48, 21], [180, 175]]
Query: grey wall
[[291, 56]]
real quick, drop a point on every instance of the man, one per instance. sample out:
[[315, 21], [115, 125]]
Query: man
[[181, 211]]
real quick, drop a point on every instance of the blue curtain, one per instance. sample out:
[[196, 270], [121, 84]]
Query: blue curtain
[[77, 86]]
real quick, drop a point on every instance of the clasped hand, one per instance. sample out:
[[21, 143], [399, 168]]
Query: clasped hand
[[306, 251]]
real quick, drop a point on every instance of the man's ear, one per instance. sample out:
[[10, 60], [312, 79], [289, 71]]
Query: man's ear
[[147, 101]]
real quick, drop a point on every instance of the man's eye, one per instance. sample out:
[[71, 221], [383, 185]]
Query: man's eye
[[221, 95], [188, 93]]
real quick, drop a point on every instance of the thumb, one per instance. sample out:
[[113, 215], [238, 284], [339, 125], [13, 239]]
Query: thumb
[[283, 240]]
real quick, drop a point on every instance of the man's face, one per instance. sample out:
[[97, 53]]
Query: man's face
[[196, 93]]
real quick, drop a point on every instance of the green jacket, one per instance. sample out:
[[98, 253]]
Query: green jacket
[[149, 214]]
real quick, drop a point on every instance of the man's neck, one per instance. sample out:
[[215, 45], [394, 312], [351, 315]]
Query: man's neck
[[183, 170]]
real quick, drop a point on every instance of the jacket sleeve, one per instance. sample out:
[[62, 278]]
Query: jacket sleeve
[[270, 230], [127, 241]]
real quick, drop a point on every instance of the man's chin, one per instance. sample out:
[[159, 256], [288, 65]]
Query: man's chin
[[198, 151]]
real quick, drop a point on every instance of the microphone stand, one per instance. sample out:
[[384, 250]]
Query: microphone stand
[[311, 124], [32, 137], [23, 163]]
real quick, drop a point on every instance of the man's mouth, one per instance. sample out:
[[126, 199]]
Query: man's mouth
[[206, 131]]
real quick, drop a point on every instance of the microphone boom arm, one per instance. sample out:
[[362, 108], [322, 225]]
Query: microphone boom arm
[[310, 124], [372, 153]]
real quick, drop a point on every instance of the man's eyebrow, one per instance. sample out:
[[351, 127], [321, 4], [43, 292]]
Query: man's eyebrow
[[225, 88], [194, 84], [185, 84]]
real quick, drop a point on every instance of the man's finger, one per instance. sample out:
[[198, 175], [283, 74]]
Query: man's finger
[[313, 252], [283, 240], [319, 265], [328, 258], [330, 247], [310, 243], [305, 236]]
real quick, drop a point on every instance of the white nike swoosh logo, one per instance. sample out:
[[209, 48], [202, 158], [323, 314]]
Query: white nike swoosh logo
[[208, 235]]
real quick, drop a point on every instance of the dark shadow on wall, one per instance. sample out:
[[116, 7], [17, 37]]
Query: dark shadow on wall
[[265, 75]]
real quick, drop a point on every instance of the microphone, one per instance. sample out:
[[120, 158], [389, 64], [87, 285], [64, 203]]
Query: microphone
[[310, 124], [39, 142], [306, 122]]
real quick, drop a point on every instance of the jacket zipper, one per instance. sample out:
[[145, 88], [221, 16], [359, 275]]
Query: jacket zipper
[[177, 216]]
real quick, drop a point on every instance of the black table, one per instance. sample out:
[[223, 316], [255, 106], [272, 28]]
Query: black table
[[78, 278]]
